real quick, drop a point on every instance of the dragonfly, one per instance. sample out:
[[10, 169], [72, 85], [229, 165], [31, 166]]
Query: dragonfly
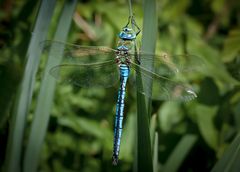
[[100, 66]]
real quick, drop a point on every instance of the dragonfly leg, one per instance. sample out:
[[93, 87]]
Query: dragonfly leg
[[128, 21], [128, 61], [135, 24], [137, 59], [132, 20]]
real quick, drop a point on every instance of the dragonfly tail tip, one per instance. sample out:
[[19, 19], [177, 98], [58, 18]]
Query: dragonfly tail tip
[[114, 160]]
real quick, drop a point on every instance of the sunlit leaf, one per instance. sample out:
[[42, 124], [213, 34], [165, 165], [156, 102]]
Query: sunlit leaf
[[205, 117], [231, 45]]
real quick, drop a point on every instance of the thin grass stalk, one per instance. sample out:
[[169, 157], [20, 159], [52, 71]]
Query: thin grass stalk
[[155, 153], [153, 126], [21, 107], [45, 97], [144, 153]]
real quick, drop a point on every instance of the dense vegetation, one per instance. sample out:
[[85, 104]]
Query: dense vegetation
[[71, 128]]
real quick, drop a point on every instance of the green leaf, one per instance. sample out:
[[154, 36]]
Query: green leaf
[[26, 88], [236, 112], [179, 153], [153, 126], [84, 126], [155, 153], [169, 115], [230, 159], [174, 10], [144, 153], [213, 66], [208, 87], [231, 45], [45, 97], [205, 117]]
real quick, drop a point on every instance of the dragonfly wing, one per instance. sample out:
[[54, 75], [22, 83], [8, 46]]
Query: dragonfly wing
[[103, 74], [73, 53], [175, 63], [84, 66], [162, 87]]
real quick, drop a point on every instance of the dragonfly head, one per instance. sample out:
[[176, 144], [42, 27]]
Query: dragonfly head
[[127, 34]]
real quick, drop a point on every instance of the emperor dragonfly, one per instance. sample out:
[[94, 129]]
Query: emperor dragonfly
[[100, 66]]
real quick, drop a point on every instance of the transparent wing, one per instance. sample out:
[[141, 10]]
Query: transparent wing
[[175, 63], [72, 53], [83, 66], [163, 86], [86, 75]]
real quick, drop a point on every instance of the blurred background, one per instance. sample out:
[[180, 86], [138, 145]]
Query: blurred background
[[200, 135]]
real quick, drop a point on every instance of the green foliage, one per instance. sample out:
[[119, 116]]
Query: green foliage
[[231, 45], [229, 161], [155, 153], [24, 97], [41, 115], [144, 156], [176, 158], [73, 131]]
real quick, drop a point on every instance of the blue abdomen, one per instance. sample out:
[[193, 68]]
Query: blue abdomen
[[124, 73]]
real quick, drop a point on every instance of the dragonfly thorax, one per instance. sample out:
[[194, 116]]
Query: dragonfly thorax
[[122, 57], [124, 45]]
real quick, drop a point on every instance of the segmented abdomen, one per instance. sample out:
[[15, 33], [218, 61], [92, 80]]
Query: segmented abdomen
[[124, 73]]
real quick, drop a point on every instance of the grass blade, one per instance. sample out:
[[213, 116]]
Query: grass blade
[[144, 153], [153, 126], [155, 153], [230, 159], [179, 153], [45, 98], [23, 101]]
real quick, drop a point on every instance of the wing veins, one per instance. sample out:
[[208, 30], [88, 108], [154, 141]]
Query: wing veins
[[150, 73]]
